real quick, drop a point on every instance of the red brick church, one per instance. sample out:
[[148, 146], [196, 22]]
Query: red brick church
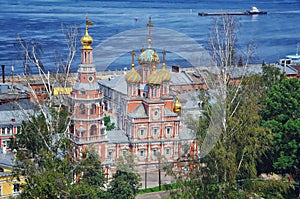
[[147, 116]]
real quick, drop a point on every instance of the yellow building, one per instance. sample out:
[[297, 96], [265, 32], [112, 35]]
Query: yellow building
[[62, 91], [10, 187]]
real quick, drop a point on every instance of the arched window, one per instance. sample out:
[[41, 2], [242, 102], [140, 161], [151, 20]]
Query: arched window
[[93, 109], [93, 130], [82, 109]]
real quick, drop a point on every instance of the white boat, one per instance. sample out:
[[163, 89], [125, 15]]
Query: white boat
[[254, 10], [291, 59]]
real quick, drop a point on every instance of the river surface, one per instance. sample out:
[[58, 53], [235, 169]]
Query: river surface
[[275, 34]]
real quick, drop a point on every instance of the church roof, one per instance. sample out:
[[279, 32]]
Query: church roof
[[180, 79], [12, 113], [117, 83], [116, 136], [139, 112], [6, 160], [167, 112]]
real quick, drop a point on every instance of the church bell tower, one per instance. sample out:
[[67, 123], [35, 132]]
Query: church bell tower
[[86, 110]]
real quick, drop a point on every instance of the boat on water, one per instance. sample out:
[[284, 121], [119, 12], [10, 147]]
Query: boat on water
[[254, 11], [291, 59]]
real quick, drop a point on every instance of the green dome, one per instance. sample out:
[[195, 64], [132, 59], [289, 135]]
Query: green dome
[[149, 56]]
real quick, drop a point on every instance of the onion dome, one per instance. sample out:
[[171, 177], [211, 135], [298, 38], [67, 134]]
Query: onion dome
[[87, 40], [154, 78], [164, 74], [149, 56], [177, 106], [132, 77]]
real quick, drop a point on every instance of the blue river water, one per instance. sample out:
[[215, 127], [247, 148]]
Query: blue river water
[[275, 34]]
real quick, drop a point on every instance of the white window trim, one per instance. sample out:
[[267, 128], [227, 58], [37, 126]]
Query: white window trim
[[13, 188], [157, 132], [144, 132]]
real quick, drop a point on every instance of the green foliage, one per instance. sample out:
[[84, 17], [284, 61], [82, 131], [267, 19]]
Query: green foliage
[[272, 189], [43, 157], [242, 141], [164, 187], [282, 116], [124, 185], [126, 181], [107, 122], [271, 75]]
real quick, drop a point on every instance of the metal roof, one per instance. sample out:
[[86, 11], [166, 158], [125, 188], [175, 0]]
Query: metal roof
[[139, 112], [117, 137]]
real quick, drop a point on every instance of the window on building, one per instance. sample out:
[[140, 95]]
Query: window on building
[[110, 153], [82, 109], [105, 106], [37, 91], [155, 132], [142, 133], [44, 91], [9, 130], [93, 109], [3, 130], [93, 130], [154, 151], [168, 131], [142, 153], [124, 152], [4, 143], [102, 131], [168, 151], [16, 188], [155, 113]]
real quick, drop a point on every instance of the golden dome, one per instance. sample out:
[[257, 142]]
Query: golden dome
[[177, 106], [164, 74], [154, 78], [132, 76], [87, 40]]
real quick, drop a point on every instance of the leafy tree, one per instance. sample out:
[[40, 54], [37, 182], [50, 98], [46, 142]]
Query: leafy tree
[[271, 75], [42, 155], [282, 116], [126, 181], [107, 122], [124, 185], [42, 146], [231, 136]]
